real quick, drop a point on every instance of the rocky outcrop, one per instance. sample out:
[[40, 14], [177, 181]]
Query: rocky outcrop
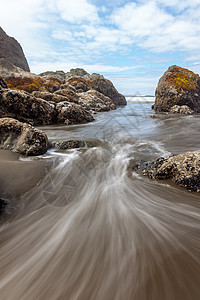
[[83, 83], [27, 108], [182, 110], [183, 169], [178, 86], [95, 101], [71, 113], [11, 50], [36, 111], [22, 137]]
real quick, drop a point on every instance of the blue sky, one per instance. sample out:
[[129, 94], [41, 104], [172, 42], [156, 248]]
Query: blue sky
[[130, 42]]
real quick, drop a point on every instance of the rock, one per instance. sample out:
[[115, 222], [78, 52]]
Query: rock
[[154, 116], [3, 84], [95, 101], [3, 204], [178, 86], [70, 95], [63, 145], [60, 75], [183, 169], [97, 82], [66, 85], [72, 144], [49, 96], [33, 83], [183, 110], [7, 69], [22, 137], [71, 113], [75, 72], [12, 51], [27, 108]]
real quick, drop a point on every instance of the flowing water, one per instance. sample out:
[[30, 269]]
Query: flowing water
[[95, 229]]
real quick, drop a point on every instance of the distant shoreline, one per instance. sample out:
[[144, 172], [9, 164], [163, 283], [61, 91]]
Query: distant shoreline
[[140, 96]]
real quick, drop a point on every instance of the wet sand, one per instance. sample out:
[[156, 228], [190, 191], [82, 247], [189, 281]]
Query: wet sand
[[16, 176]]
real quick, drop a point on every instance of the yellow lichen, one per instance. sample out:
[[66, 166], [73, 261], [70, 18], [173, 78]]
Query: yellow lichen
[[182, 78]]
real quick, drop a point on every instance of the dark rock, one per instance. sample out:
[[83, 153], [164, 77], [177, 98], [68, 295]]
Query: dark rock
[[71, 113], [3, 204], [12, 51], [183, 169], [178, 86], [27, 108], [63, 145], [22, 137], [3, 84]]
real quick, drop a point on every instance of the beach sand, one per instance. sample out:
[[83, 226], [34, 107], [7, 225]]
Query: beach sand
[[18, 177]]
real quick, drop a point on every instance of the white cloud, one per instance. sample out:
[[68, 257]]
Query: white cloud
[[151, 27], [77, 11]]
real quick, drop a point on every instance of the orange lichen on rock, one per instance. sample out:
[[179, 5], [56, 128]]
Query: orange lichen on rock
[[182, 78], [30, 84]]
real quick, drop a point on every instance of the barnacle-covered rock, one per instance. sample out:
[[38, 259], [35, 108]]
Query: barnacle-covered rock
[[95, 101], [22, 137], [71, 113], [182, 110], [27, 108], [183, 169]]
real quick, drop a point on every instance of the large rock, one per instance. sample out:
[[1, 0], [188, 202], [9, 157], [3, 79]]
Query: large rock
[[95, 101], [22, 137], [27, 108], [11, 50], [85, 82], [178, 86], [71, 113], [183, 169]]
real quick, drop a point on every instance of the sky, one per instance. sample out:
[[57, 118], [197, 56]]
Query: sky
[[132, 43]]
